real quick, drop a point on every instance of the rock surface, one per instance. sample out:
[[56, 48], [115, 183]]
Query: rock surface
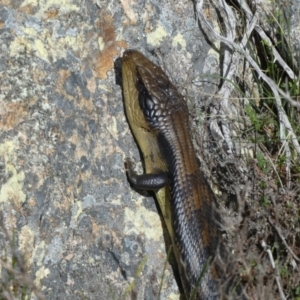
[[83, 231]]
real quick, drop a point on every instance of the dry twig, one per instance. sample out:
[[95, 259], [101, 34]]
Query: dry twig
[[239, 49], [277, 277]]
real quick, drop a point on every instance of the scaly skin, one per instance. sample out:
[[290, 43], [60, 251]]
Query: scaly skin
[[158, 117]]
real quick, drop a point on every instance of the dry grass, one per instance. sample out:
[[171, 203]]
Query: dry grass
[[15, 283], [249, 147]]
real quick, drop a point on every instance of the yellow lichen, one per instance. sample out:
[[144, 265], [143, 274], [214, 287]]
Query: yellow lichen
[[143, 221], [179, 39], [155, 37], [11, 190], [39, 275]]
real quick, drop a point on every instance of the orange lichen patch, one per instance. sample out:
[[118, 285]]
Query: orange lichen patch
[[105, 24], [38, 75], [69, 256], [63, 75], [129, 12], [105, 59], [6, 3], [91, 85], [49, 151], [87, 103], [67, 198], [80, 150], [95, 228], [51, 13], [86, 176], [110, 47], [83, 103], [1, 24], [11, 115], [27, 9]]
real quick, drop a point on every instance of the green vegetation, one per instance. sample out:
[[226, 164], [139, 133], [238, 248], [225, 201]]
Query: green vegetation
[[15, 283], [262, 169]]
